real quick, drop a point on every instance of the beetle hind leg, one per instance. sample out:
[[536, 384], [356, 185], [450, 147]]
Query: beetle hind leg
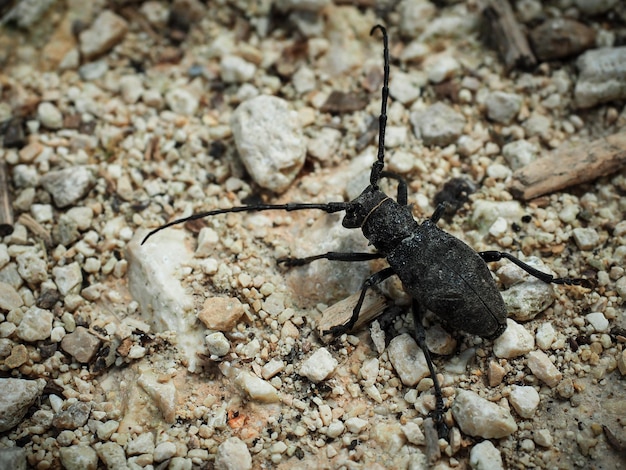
[[420, 338], [489, 256]]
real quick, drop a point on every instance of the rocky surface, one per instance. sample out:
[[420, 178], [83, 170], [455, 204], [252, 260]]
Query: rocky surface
[[195, 350]]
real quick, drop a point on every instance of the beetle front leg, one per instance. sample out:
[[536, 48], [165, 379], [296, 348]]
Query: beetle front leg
[[420, 338], [374, 279], [331, 256], [490, 256]]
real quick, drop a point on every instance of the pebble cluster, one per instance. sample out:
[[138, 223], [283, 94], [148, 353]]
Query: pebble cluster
[[200, 352]]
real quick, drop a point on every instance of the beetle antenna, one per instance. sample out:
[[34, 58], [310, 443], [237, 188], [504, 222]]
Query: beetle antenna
[[378, 165], [328, 207]]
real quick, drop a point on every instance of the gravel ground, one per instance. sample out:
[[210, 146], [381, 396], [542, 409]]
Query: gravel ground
[[196, 350]]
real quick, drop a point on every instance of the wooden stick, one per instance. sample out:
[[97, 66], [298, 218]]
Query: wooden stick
[[506, 35], [6, 210], [568, 166], [338, 314]]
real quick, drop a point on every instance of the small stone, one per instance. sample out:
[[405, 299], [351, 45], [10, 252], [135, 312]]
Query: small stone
[[598, 321], [406, 87], [270, 142], [542, 368], [221, 313], [131, 88], [112, 455], [542, 438], [413, 433], [182, 101], [407, 359], [10, 299], [165, 450], [525, 400], [325, 144], [19, 356], [32, 267], [68, 278], [485, 456], [234, 69], [318, 366], [601, 76], [537, 124], [558, 38], [106, 31], [545, 335], [49, 115], [514, 342], [73, 417], [13, 458], [105, 430], [142, 444], [16, 397], [257, 388], [217, 344], [496, 373], [528, 299], [477, 416], [79, 457], [69, 185], [503, 107], [162, 393], [356, 425], [439, 341], [36, 325], [621, 362], [565, 389], [273, 367], [233, 454], [93, 70], [519, 153], [595, 7], [80, 344], [442, 67], [586, 238], [438, 124]]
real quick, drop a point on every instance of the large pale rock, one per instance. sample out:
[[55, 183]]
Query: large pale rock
[[16, 396], [270, 142]]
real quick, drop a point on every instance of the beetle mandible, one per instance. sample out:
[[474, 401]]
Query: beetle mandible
[[440, 272]]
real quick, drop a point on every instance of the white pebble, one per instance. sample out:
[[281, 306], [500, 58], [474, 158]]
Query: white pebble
[[485, 456], [270, 141], [598, 321], [165, 450], [542, 368], [477, 416], [49, 115], [356, 425], [257, 388], [586, 238], [217, 344], [525, 400], [545, 335], [514, 342], [234, 69], [181, 101], [318, 366], [407, 359], [233, 454]]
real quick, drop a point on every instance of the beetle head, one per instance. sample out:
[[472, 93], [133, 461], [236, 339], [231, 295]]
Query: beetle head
[[361, 207]]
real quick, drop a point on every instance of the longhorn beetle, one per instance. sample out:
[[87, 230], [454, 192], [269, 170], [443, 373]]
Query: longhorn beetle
[[440, 272]]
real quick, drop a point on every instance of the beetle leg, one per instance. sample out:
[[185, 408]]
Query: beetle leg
[[489, 256], [374, 279], [331, 256], [420, 337], [402, 197]]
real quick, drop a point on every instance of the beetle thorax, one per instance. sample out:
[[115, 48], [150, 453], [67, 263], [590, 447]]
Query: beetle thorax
[[384, 222]]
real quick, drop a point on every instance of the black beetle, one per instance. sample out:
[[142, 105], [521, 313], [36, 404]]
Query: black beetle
[[440, 272]]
